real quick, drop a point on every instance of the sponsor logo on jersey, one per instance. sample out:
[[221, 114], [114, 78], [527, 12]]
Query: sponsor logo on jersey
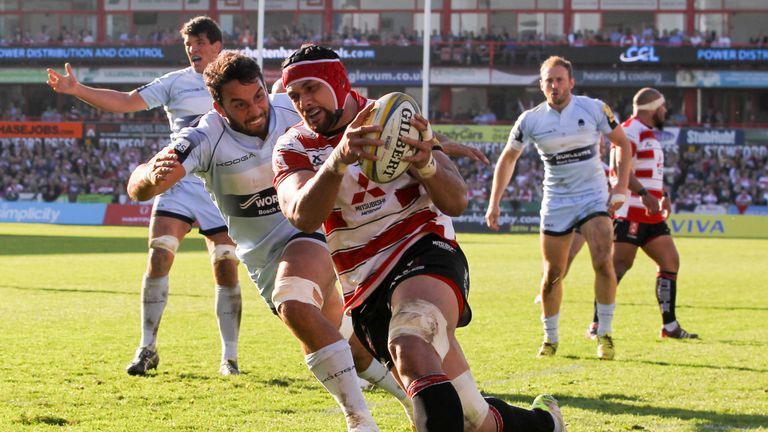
[[236, 160], [569, 157], [262, 203], [358, 199]]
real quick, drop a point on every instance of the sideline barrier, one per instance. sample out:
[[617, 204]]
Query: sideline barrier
[[723, 226], [53, 213]]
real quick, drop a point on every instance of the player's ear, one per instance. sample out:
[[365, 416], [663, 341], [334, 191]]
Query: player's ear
[[219, 109]]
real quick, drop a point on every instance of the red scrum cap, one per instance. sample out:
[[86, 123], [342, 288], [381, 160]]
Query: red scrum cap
[[318, 63]]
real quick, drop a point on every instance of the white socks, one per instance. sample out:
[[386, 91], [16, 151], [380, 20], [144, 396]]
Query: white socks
[[154, 297], [605, 318], [550, 327], [333, 366], [228, 312], [378, 375]]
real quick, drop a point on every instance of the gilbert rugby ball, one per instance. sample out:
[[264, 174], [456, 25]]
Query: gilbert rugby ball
[[393, 113]]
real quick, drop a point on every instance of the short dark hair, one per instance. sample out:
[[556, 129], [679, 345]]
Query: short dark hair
[[202, 25], [310, 52], [230, 66], [557, 61]]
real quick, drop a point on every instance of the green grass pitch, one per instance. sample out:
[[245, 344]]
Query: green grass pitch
[[69, 323]]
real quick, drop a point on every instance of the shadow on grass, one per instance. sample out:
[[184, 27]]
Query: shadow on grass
[[652, 304], [614, 404], [676, 364], [82, 290], [48, 245]]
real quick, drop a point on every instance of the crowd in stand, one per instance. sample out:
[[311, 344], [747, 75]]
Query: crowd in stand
[[352, 36], [50, 169]]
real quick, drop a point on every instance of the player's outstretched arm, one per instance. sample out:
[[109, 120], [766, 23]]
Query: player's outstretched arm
[[434, 170], [307, 198], [156, 176], [456, 149], [103, 99], [623, 168], [502, 174]]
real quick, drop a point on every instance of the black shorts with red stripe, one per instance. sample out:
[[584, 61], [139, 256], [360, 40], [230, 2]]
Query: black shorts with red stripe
[[638, 233], [432, 256]]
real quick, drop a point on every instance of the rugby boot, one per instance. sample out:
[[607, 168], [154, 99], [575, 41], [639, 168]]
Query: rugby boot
[[146, 358], [229, 367], [549, 404], [605, 348], [592, 331], [547, 349], [677, 333]]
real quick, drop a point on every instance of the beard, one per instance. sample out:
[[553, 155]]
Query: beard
[[248, 128], [658, 122], [321, 123]]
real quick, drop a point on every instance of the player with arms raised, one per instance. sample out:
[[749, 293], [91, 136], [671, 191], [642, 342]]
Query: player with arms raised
[[183, 95]]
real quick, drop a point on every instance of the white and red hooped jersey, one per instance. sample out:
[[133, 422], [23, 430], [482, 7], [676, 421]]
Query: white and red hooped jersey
[[371, 224], [648, 168]]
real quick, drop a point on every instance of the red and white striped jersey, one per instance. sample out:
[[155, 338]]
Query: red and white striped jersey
[[648, 168], [371, 224]]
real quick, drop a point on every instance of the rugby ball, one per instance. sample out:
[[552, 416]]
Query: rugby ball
[[393, 112]]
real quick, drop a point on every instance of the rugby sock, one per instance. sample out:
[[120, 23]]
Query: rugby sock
[[550, 327], [378, 375], [229, 306], [666, 292], [436, 404], [605, 318], [513, 419], [594, 317], [154, 297], [333, 366]]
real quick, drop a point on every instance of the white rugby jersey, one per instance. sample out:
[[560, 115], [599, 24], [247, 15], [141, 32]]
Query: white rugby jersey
[[568, 144], [648, 168], [371, 224], [183, 95], [237, 170]]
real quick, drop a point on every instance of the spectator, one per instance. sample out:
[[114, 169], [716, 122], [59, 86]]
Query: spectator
[[743, 200]]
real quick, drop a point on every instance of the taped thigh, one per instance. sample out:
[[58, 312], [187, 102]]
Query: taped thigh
[[298, 289], [166, 242], [223, 252], [472, 402], [424, 320]]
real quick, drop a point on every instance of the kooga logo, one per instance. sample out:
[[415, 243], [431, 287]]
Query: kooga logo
[[639, 54]]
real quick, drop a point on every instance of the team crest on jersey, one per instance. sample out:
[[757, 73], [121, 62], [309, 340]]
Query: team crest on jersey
[[359, 198]]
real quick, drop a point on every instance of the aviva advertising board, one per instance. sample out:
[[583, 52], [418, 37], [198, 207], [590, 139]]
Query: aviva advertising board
[[725, 226]]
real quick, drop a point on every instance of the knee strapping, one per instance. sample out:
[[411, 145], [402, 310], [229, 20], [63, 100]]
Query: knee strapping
[[472, 402], [424, 320], [166, 242], [223, 252], [298, 289]]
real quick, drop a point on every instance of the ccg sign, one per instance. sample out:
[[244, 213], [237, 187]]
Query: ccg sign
[[639, 54]]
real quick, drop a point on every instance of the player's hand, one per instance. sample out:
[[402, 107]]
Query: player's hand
[[455, 149], [352, 146], [66, 84], [423, 148], [161, 166], [652, 205], [492, 217], [616, 199]]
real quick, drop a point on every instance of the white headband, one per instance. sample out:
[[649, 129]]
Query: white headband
[[652, 105]]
